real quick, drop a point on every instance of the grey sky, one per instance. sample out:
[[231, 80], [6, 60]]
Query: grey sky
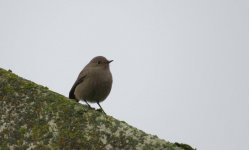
[[181, 68]]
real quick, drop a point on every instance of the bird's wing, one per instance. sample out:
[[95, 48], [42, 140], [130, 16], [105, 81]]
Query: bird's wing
[[77, 82]]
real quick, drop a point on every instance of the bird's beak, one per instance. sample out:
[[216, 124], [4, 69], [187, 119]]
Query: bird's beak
[[110, 61]]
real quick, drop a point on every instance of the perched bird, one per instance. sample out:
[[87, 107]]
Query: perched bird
[[94, 82]]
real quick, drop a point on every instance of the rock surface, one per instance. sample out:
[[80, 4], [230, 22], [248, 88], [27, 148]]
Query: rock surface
[[33, 117]]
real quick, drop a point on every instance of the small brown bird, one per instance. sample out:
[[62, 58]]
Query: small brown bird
[[94, 82]]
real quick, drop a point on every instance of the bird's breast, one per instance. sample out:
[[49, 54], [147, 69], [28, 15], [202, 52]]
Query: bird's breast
[[97, 86]]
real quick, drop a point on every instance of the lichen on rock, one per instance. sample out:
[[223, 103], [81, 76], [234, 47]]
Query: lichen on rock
[[33, 117]]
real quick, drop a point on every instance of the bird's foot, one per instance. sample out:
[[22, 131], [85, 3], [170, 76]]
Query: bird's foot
[[101, 110]]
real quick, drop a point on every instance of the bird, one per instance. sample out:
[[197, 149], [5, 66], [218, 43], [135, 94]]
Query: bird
[[94, 82]]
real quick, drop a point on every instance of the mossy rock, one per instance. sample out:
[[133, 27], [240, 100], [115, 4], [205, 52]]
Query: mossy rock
[[33, 117]]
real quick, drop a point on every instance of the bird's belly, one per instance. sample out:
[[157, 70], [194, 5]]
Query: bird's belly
[[99, 92], [94, 91]]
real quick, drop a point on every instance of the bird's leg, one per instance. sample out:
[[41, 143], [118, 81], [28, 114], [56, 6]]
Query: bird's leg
[[87, 104], [101, 108]]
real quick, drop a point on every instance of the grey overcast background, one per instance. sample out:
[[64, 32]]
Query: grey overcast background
[[181, 68]]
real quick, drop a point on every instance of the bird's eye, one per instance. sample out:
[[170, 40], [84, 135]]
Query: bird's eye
[[99, 62]]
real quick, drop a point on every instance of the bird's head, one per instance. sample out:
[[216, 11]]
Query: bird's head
[[100, 61]]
